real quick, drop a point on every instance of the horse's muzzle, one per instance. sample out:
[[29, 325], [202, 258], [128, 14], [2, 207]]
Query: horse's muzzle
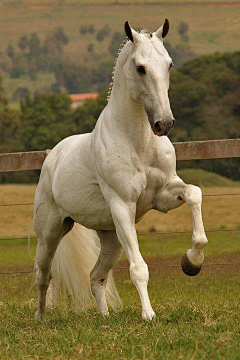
[[163, 128]]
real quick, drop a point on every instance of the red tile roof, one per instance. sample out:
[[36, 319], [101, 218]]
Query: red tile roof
[[82, 97]]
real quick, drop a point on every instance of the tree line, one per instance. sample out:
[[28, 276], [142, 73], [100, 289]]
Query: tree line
[[204, 95], [32, 56]]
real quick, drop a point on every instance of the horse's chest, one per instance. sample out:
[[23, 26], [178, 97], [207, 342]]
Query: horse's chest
[[155, 179]]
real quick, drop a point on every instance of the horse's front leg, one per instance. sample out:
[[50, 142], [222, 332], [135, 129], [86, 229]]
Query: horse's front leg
[[176, 193], [194, 257], [124, 219]]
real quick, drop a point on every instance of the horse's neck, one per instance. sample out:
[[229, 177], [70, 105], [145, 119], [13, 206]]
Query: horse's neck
[[128, 119]]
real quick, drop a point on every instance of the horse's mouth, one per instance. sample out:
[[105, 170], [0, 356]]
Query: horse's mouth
[[160, 133]]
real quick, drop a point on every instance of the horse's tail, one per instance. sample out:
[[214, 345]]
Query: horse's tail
[[75, 257]]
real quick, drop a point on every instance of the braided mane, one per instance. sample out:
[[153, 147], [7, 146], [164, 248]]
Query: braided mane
[[111, 84]]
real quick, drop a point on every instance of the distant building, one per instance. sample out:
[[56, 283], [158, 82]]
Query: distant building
[[79, 99]]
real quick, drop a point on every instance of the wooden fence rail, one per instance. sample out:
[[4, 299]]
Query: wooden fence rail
[[192, 150]]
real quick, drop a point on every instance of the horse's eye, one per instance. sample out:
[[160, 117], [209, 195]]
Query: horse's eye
[[141, 69]]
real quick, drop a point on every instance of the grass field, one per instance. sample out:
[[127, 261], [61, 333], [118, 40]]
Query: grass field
[[197, 318], [206, 31]]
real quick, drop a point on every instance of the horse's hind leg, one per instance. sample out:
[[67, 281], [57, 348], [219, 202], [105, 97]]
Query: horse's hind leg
[[111, 252], [49, 228]]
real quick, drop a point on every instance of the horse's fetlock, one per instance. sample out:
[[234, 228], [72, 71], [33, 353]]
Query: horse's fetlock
[[200, 241]]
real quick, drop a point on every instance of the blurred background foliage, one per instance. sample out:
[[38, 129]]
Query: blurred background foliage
[[204, 93]]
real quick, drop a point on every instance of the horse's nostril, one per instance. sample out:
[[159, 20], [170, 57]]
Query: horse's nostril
[[173, 122], [157, 126]]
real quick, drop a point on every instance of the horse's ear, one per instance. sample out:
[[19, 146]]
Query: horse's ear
[[163, 30], [131, 33]]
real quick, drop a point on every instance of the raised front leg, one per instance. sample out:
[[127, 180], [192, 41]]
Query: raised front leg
[[124, 218], [194, 257], [176, 193]]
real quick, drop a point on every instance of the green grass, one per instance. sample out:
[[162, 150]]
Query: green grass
[[197, 318], [169, 245], [183, 330]]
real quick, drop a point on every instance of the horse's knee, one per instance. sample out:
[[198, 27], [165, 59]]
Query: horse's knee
[[193, 195]]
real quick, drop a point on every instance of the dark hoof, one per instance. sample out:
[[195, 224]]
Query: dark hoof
[[188, 268]]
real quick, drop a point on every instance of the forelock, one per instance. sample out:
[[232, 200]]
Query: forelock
[[145, 32]]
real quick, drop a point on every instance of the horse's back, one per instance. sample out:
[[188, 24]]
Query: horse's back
[[65, 148]]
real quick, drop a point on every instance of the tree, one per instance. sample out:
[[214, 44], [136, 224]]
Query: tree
[[90, 47], [103, 33], [85, 116], [182, 28], [21, 93], [15, 72], [23, 43], [91, 29], [46, 121], [60, 36], [10, 125], [3, 99], [84, 29], [10, 122], [102, 75], [34, 45], [10, 51], [56, 88], [115, 43], [204, 97], [73, 77]]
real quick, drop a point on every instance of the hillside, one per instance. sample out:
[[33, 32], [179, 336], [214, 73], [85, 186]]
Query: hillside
[[206, 36], [205, 21], [204, 178]]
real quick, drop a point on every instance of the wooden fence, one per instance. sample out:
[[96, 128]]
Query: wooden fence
[[195, 150], [192, 150]]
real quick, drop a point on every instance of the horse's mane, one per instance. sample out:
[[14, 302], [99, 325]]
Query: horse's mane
[[113, 71]]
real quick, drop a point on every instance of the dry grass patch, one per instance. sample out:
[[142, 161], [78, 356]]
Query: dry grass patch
[[16, 220], [221, 212]]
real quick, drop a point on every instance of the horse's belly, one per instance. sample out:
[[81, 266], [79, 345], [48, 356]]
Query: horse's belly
[[84, 203], [92, 212]]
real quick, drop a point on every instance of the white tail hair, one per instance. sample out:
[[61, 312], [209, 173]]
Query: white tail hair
[[74, 259]]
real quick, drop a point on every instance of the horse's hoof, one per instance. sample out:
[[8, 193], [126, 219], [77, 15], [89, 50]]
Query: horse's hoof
[[105, 313], [38, 316], [188, 268], [148, 315]]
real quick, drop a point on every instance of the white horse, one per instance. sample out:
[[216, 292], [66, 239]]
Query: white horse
[[108, 179]]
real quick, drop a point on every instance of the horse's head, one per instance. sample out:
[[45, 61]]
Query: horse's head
[[147, 74]]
